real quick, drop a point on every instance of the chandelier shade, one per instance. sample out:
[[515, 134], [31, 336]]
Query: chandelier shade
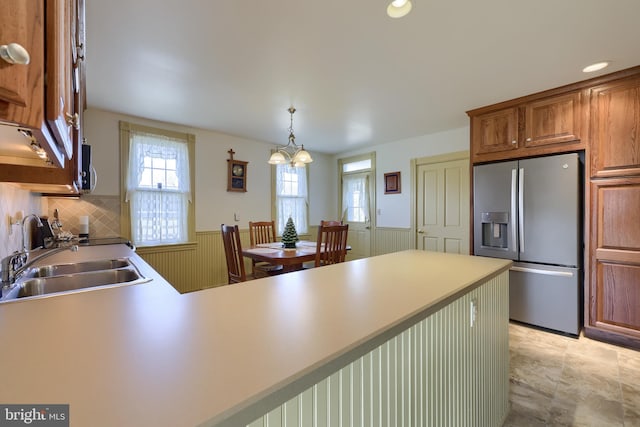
[[293, 154]]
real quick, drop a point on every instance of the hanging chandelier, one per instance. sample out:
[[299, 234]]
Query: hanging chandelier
[[291, 153]]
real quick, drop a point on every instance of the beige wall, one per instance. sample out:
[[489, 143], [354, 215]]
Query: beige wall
[[214, 205], [394, 210]]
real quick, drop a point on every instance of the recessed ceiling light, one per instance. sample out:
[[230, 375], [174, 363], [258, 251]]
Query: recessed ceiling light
[[399, 8], [594, 67]]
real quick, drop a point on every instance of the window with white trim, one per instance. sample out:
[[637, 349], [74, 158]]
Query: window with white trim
[[158, 187], [355, 197], [356, 192], [291, 198]]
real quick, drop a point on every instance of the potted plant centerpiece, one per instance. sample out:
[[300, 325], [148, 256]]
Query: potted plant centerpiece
[[289, 236]]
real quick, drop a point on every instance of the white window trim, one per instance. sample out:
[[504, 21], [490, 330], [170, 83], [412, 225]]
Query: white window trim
[[372, 184], [274, 202], [125, 214]]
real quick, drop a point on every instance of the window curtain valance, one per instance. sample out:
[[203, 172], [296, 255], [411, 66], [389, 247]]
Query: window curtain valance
[[143, 148]]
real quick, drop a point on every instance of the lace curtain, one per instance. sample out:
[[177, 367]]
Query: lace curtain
[[291, 198], [355, 198], [158, 188]]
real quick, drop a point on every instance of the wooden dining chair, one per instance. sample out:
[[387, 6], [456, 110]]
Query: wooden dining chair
[[263, 232], [331, 245], [233, 253], [327, 222]]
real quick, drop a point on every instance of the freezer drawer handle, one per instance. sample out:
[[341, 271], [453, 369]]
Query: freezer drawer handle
[[521, 209], [513, 237], [546, 272]]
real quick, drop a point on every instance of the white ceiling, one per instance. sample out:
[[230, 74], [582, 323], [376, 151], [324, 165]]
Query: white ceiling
[[356, 76]]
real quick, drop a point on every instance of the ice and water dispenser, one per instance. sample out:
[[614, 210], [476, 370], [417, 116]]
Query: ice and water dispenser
[[494, 230]]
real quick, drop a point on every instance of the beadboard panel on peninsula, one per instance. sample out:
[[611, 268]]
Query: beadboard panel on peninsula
[[438, 372]]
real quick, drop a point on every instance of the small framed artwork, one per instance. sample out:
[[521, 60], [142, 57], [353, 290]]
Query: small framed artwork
[[236, 174], [392, 183]]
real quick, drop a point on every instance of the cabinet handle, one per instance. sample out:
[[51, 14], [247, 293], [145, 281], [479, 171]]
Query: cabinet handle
[[80, 50], [13, 53], [528, 139], [73, 120], [514, 142]]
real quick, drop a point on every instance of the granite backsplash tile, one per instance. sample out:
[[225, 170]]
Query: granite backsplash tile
[[103, 213]]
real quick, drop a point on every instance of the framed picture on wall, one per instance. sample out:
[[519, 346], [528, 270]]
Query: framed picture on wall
[[392, 183]]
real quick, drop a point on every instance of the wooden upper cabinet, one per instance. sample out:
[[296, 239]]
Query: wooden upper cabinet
[[60, 112], [34, 93], [496, 131], [22, 85], [44, 100], [552, 120], [527, 127], [615, 128]]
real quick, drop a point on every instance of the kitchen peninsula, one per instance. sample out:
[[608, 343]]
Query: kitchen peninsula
[[402, 337]]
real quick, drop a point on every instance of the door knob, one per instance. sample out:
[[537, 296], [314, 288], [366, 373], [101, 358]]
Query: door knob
[[14, 53], [420, 231]]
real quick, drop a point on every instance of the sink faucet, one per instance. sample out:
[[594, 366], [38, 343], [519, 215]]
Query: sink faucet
[[13, 265], [24, 230]]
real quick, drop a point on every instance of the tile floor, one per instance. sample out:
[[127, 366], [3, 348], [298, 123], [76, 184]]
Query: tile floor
[[561, 381]]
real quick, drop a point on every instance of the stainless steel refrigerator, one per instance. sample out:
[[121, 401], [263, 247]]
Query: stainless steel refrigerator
[[530, 211]]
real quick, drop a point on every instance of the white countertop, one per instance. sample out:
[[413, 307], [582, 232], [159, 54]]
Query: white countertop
[[144, 355]]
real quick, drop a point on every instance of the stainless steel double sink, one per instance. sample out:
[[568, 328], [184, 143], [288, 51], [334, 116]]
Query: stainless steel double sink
[[59, 278]]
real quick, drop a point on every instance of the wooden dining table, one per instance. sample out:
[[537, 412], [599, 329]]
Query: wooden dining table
[[289, 259]]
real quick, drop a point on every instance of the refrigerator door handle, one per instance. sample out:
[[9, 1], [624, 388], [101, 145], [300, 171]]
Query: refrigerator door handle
[[545, 272], [521, 209], [512, 244]]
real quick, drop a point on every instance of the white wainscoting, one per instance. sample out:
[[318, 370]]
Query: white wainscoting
[[388, 240]]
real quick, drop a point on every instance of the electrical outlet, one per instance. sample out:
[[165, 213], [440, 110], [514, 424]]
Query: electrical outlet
[[473, 312], [14, 221]]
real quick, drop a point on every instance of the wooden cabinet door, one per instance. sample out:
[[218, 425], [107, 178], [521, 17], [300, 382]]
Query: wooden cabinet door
[[64, 94], [552, 120], [615, 128], [615, 259], [22, 86], [60, 112], [79, 88], [495, 131]]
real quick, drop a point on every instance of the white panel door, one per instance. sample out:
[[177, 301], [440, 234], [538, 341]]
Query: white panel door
[[442, 217], [357, 213]]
